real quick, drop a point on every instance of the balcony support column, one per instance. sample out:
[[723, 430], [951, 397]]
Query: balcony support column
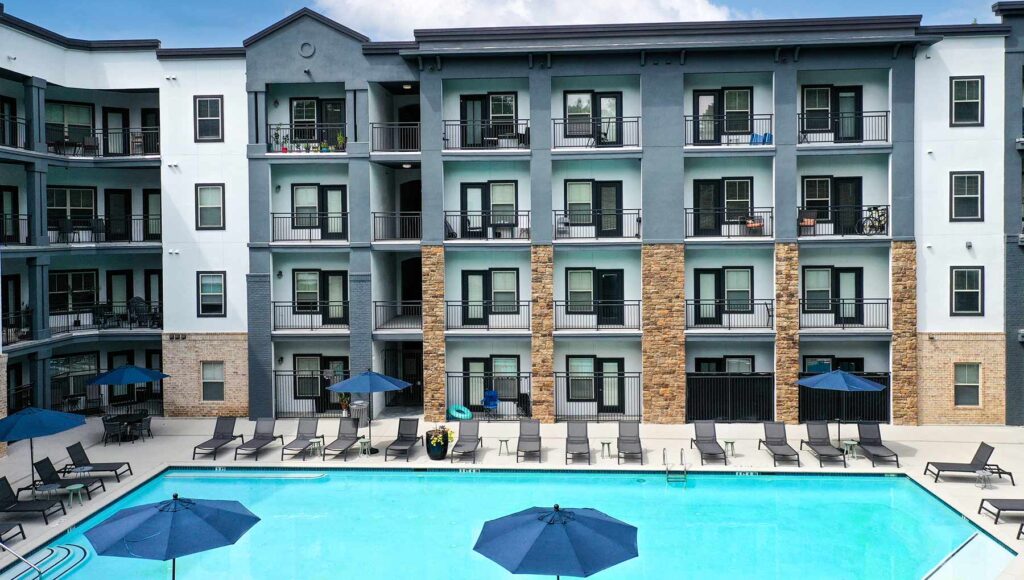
[[903, 359], [35, 113], [434, 377], [39, 377], [663, 273], [39, 295], [787, 332], [360, 313], [260, 343], [35, 203], [540, 156], [542, 341]]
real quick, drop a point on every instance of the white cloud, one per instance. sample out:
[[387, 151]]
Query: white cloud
[[396, 19]]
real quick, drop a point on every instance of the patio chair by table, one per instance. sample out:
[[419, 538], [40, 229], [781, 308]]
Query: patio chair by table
[[79, 460], [706, 440], [576, 441], [10, 504], [529, 439], [348, 435], [48, 474], [871, 444], [820, 443], [628, 443], [263, 436], [469, 439], [113, 430], [776, 443], [408, 436], [978, 463], [223, 433], [304, 438]]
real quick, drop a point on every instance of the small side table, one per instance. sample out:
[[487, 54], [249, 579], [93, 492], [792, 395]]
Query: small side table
[[75, 492], [48, 490], [503, 443], [364, 447], [82, 471], [606, 449], [850, 448], [983, 479], [315, 447], [730, 447]]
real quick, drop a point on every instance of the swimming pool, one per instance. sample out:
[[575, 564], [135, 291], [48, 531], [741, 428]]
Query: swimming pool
[[417, 524]]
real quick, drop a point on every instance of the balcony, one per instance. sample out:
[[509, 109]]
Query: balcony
[[720, 222], [870, 127], [487, 315], [14, 229], [597, 315], [595, 133], [487, 225], [71, 393], [467, 389], [89, 142], [136, 314], [397, 226], [305, 394], [309, 227], [306, 138], [17, 327], [311, 315], [597, 396], [601, 224], [728, 130], [843, 220], [483, 135], [104, 230], [845, 313], [14, 132], [851, 407], [731, 397], [397, 315], [394, 137], [730, 314]]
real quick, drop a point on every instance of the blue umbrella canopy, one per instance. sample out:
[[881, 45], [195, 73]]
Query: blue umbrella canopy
[[32, 422], [564, 542], [127, 375], [369, 382], [840, 380]]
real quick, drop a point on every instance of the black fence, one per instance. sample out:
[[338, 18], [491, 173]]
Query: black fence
[[305, 394], [729, 130], [311, 315], [71, 393], [836, 127], [17, 326], [597, 315], [513, 389], [845, 313], [487, 134], [104, 230], [867, 406], [487, 225], [595, 132], [111, 142], [15, 229], [733, 397], [596, 224], [720, 222], [397, 315], [397, 226], [309, 227], [487, 315], [306, 138], [135, 314], [721, 313], [14, 132], [20, 397], [843, 220], [598, 396]]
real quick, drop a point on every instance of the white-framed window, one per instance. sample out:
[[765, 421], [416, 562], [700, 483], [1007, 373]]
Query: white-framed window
[[503, 202], [818, 196], [213, 380], [305, 206], [502, 107], [966, 98], [306, 290], [966, 196], [581, 378], [579, 112], [967, 384], [739, 289], [738, 109], [967, 291], [579, 202], [505, 377], [817, 104], [209, 206], [580, 291], [209, 118], [77, 204], [738, 198], [817, 289], [307, 377], [211, 294], [504, 292]]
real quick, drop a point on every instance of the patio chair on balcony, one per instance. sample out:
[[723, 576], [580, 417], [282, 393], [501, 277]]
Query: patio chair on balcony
[[305, 437], [66, 232], [808, 221], [348, 435], [90, 146], [871, 444], [223, 433], [79, 460], [263, 436], [820, 443], [706, 440], [139, 313], [978, 463], [529, 439], [408, 436], [576, 441], [490, 402], [10, 504], [469, 439], [776, 443], [628, 443]]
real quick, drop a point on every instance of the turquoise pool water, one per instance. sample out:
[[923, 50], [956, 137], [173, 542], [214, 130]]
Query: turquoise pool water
[[405, 524]]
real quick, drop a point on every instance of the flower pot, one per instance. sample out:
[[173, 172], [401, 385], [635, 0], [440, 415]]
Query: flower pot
[[436, 452]]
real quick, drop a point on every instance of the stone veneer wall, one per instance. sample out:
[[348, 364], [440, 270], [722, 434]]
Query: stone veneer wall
[[542, 342], [937, 352], [904, 333], [663, 276], [787, 332], [434, 377], [183, 391], [3, 398]]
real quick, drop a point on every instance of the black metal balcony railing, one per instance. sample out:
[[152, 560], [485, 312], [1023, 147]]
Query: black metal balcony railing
[[845, 313], [394, 137], [20, 397], [306, 138], [14, 132], [487, 225], [843, 220], [75, 141], [720, 222], [305, 394], [867, 406], [487, 315], [487, 134], [598, 396], [733, 397], [731, 129], [590, 133], [15, 229], [135, 314], [597, 315], [405, 225], [17, 326], [722, 313], [859, 127], [104, 230], [311, 315], [467, 389], [597, 224], [71, 393], [316, 226], [397, 315]]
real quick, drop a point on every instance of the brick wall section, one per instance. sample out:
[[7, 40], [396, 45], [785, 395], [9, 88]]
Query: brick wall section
[[663, 273], [433, 334], [542, 343], [787, 332], [904, 333], [183, 391], [937, 353], [3, 397]]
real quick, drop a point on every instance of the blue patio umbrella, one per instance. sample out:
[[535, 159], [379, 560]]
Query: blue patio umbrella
[[840, 380], [560, 542], [369, 382], [171, 529], [127, 375], [32, 422]]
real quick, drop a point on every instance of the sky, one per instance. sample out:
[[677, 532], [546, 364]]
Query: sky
[[203, 23]]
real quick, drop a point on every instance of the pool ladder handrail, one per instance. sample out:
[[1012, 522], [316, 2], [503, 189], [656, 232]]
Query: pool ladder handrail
[[674, 476], [22, 558], [59, 560]]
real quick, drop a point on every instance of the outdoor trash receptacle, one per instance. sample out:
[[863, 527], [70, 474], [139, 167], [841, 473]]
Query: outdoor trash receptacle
[[360, 410]]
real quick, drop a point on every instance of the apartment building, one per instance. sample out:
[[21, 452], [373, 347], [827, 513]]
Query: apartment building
[[663, 222]]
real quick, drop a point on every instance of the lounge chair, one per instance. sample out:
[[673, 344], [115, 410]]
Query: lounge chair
[[10, 504], [628, 443], [48, 474], [706, 441], [9, 531], [408, 435], [777, 444], [978, 463], [529, 439], [79, 460], [576, 441], [469, 439], [871, 444], [223, 433], [348, 435], [304, 438], [820, 443], [996, 507], [263, 436]]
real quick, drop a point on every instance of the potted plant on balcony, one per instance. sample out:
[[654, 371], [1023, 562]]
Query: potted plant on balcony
[[437, 442], [324, 147], [341, 142]]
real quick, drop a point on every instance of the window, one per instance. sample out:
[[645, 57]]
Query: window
[[966, 101], [578, 114], [738, 198], [305, 206], [504, 291], [505, 377], [209, 115], [817, 289], [213, 380], [304, 118], [967, 295], [817, 104], [306, 290], [737, 110], [72, 289], [62, 368], [580, 291], [503, 203], [739, 289], [818, 196], [68, 120], [210, 206], [212, 295], [967, 384], [966, 191], [739, 364], [502, 107], [579, 202], [307, 376], [77, 204], [817, 364], [581, 378]]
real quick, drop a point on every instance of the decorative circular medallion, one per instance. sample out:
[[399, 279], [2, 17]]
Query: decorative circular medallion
[[306, 49]]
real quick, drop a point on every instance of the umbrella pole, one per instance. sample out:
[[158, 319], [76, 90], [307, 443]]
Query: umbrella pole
[[369, 425], [32, 461], [174, 567]]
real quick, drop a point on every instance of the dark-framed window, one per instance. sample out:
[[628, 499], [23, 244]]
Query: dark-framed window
[[211, 294], [967, 291], [738, 109], [213, 380], [816, 106], [580, 371], [308, 376], [73, 289], [738, 198], [504, 291], [504, 199], [733, 363], [579, 290], [966, 101], [70, 202], [210, 214], [69, 120], [305, 291], [817, 288], [966, 196], [305, 205], [579, 113], [738, 287], [818, 363], [505, 376], [579, 201], [966, 384], [208, 115], [817, 193]]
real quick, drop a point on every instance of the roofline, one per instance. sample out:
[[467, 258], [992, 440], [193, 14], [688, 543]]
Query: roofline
[[1014, 8], [967, 30], [74, 43], [391, 47], [223, 52], [303, 12]]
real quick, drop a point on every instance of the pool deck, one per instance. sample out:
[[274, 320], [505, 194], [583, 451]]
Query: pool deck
[[175, 439]]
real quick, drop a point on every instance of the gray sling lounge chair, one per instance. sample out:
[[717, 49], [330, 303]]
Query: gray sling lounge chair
[[996, 507], [628, 442], [48, 474], [576, 441], [10, 504], [529, 439], [223, 433], [776, 443], [978, 463], [9, 531], [871, 444], [706, 441], [79, 459], [820, 443], [408, 436], [469, 439], [348, 435], [304, 437], [263, 436]]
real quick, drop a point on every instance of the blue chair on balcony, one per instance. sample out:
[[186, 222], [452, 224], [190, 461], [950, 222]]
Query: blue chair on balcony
[[490, 402]]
